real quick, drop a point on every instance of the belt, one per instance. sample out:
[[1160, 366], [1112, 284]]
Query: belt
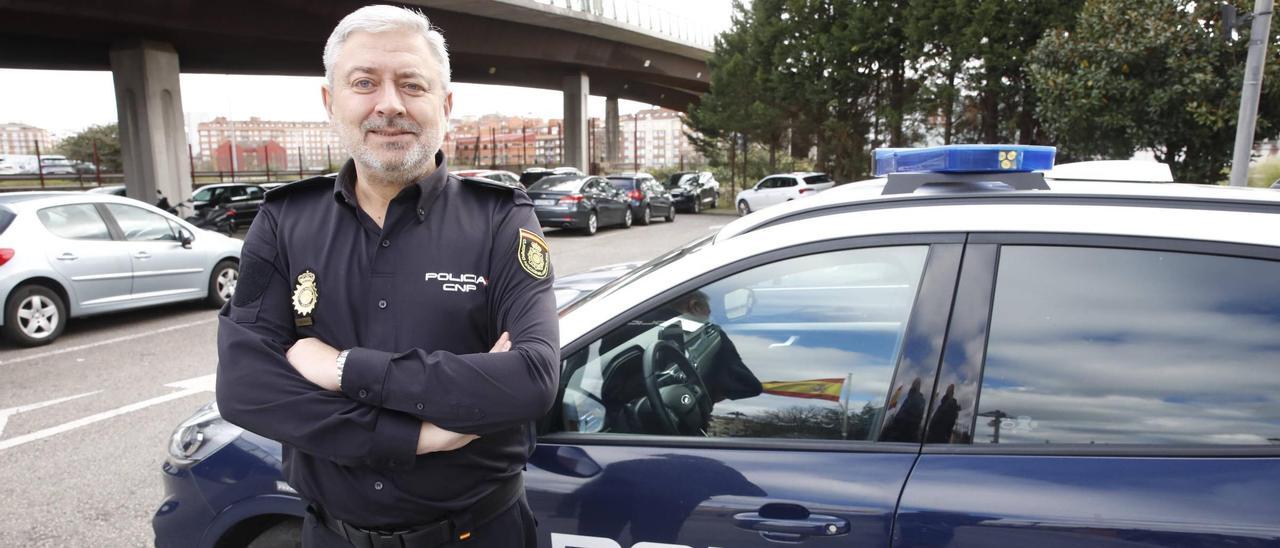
[[455, 526]]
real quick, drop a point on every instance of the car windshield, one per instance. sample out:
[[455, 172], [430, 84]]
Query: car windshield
[[680, 179], [642, 271], [557, 184], [203, 195]]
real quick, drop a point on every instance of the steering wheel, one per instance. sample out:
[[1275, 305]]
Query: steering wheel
[[684, 407]]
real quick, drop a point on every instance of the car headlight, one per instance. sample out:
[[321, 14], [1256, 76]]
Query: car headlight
[[201, 434]]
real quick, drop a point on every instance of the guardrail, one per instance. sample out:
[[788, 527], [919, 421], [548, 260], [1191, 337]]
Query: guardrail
[[85, 181], [644, 15]]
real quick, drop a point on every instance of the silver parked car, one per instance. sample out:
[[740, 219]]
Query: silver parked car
[[71, 254]]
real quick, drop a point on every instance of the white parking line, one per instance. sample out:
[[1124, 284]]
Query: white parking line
[[6, 413], [188, 387], [108, 341]]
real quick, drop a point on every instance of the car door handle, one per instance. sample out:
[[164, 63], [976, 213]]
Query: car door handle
[[67, 257], [142, 255], [791, 528]]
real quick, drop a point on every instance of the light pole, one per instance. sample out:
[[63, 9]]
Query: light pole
[[1259, 33]]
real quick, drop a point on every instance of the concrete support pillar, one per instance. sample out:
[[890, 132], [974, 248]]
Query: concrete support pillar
[[576, 88], [612, 132], [153, 140]]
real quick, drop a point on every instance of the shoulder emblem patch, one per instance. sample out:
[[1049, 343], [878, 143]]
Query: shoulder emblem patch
[[534, 255], [305, 298]]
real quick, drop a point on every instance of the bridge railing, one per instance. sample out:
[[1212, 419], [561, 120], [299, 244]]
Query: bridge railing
[[644, 15]]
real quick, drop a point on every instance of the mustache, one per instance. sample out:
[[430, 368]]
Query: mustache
[[380, 124]]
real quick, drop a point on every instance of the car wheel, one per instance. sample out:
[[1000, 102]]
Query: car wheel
[[697, 205], [671, 214], [222, 283], [626, 218], [34, 315], [743, 207], [593, 224], [286, 534], [647, 217]]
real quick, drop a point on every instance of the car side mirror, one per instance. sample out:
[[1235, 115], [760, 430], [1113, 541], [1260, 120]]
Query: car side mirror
[[738, 303], [185, 238]]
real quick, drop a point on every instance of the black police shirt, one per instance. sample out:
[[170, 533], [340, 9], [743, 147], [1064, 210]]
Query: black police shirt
[[419, 303]]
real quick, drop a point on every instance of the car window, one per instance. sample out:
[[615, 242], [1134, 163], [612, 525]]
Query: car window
[[557, 184], [800, 348], [203, 195], [818, 179], [785, 182], [6, 218], [77, 222], [622, 183], [1107, 346], [238, 192], [255, 193], [767, 183], [141, 225]]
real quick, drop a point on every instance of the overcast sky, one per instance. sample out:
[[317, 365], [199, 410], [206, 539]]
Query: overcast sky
[[67, 101]]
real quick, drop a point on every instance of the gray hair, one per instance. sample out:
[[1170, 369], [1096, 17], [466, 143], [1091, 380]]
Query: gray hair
[[382, 18]]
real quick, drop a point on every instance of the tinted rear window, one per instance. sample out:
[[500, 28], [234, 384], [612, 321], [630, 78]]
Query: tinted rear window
[[818, 179], [557, 184], [1098, 346], [623, 183]]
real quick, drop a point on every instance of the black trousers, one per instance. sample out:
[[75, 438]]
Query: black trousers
[[513, 528]]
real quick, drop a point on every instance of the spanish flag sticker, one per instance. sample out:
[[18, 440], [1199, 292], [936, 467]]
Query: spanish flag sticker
[[818, 389]]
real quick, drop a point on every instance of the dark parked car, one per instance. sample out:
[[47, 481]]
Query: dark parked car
[[994, 355], [225, 207], [694, 191], [581, 202], [646, 197]]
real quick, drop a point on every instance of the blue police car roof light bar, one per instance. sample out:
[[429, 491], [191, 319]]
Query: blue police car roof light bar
[[964, 159]]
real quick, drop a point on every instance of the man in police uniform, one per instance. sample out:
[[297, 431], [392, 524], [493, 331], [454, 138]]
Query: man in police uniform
[[395, 327]]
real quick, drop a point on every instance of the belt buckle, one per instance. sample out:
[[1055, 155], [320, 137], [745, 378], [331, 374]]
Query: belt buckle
[[362, 538], [380, 539]]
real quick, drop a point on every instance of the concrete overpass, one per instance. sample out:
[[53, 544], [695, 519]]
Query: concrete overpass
[[608, 48]]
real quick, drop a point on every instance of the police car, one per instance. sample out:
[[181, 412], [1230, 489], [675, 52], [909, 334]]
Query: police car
[[976, 348]]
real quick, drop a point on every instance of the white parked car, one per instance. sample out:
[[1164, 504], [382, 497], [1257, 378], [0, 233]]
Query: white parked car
[[70, 254], [784, 187]]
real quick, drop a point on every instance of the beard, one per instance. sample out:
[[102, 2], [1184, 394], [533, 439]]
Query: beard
[[393, 161]]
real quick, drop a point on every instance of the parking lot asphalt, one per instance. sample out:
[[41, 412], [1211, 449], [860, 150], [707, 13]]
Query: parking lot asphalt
[[85, 421]]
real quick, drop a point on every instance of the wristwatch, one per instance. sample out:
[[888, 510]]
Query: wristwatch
[[341, 361]]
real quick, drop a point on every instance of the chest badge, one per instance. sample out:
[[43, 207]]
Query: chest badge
[[305, 298], [534, 255]]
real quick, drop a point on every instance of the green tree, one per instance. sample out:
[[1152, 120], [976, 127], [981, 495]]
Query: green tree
[[1142, 75], [940, 49], [1000, 34], [79, 147]]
